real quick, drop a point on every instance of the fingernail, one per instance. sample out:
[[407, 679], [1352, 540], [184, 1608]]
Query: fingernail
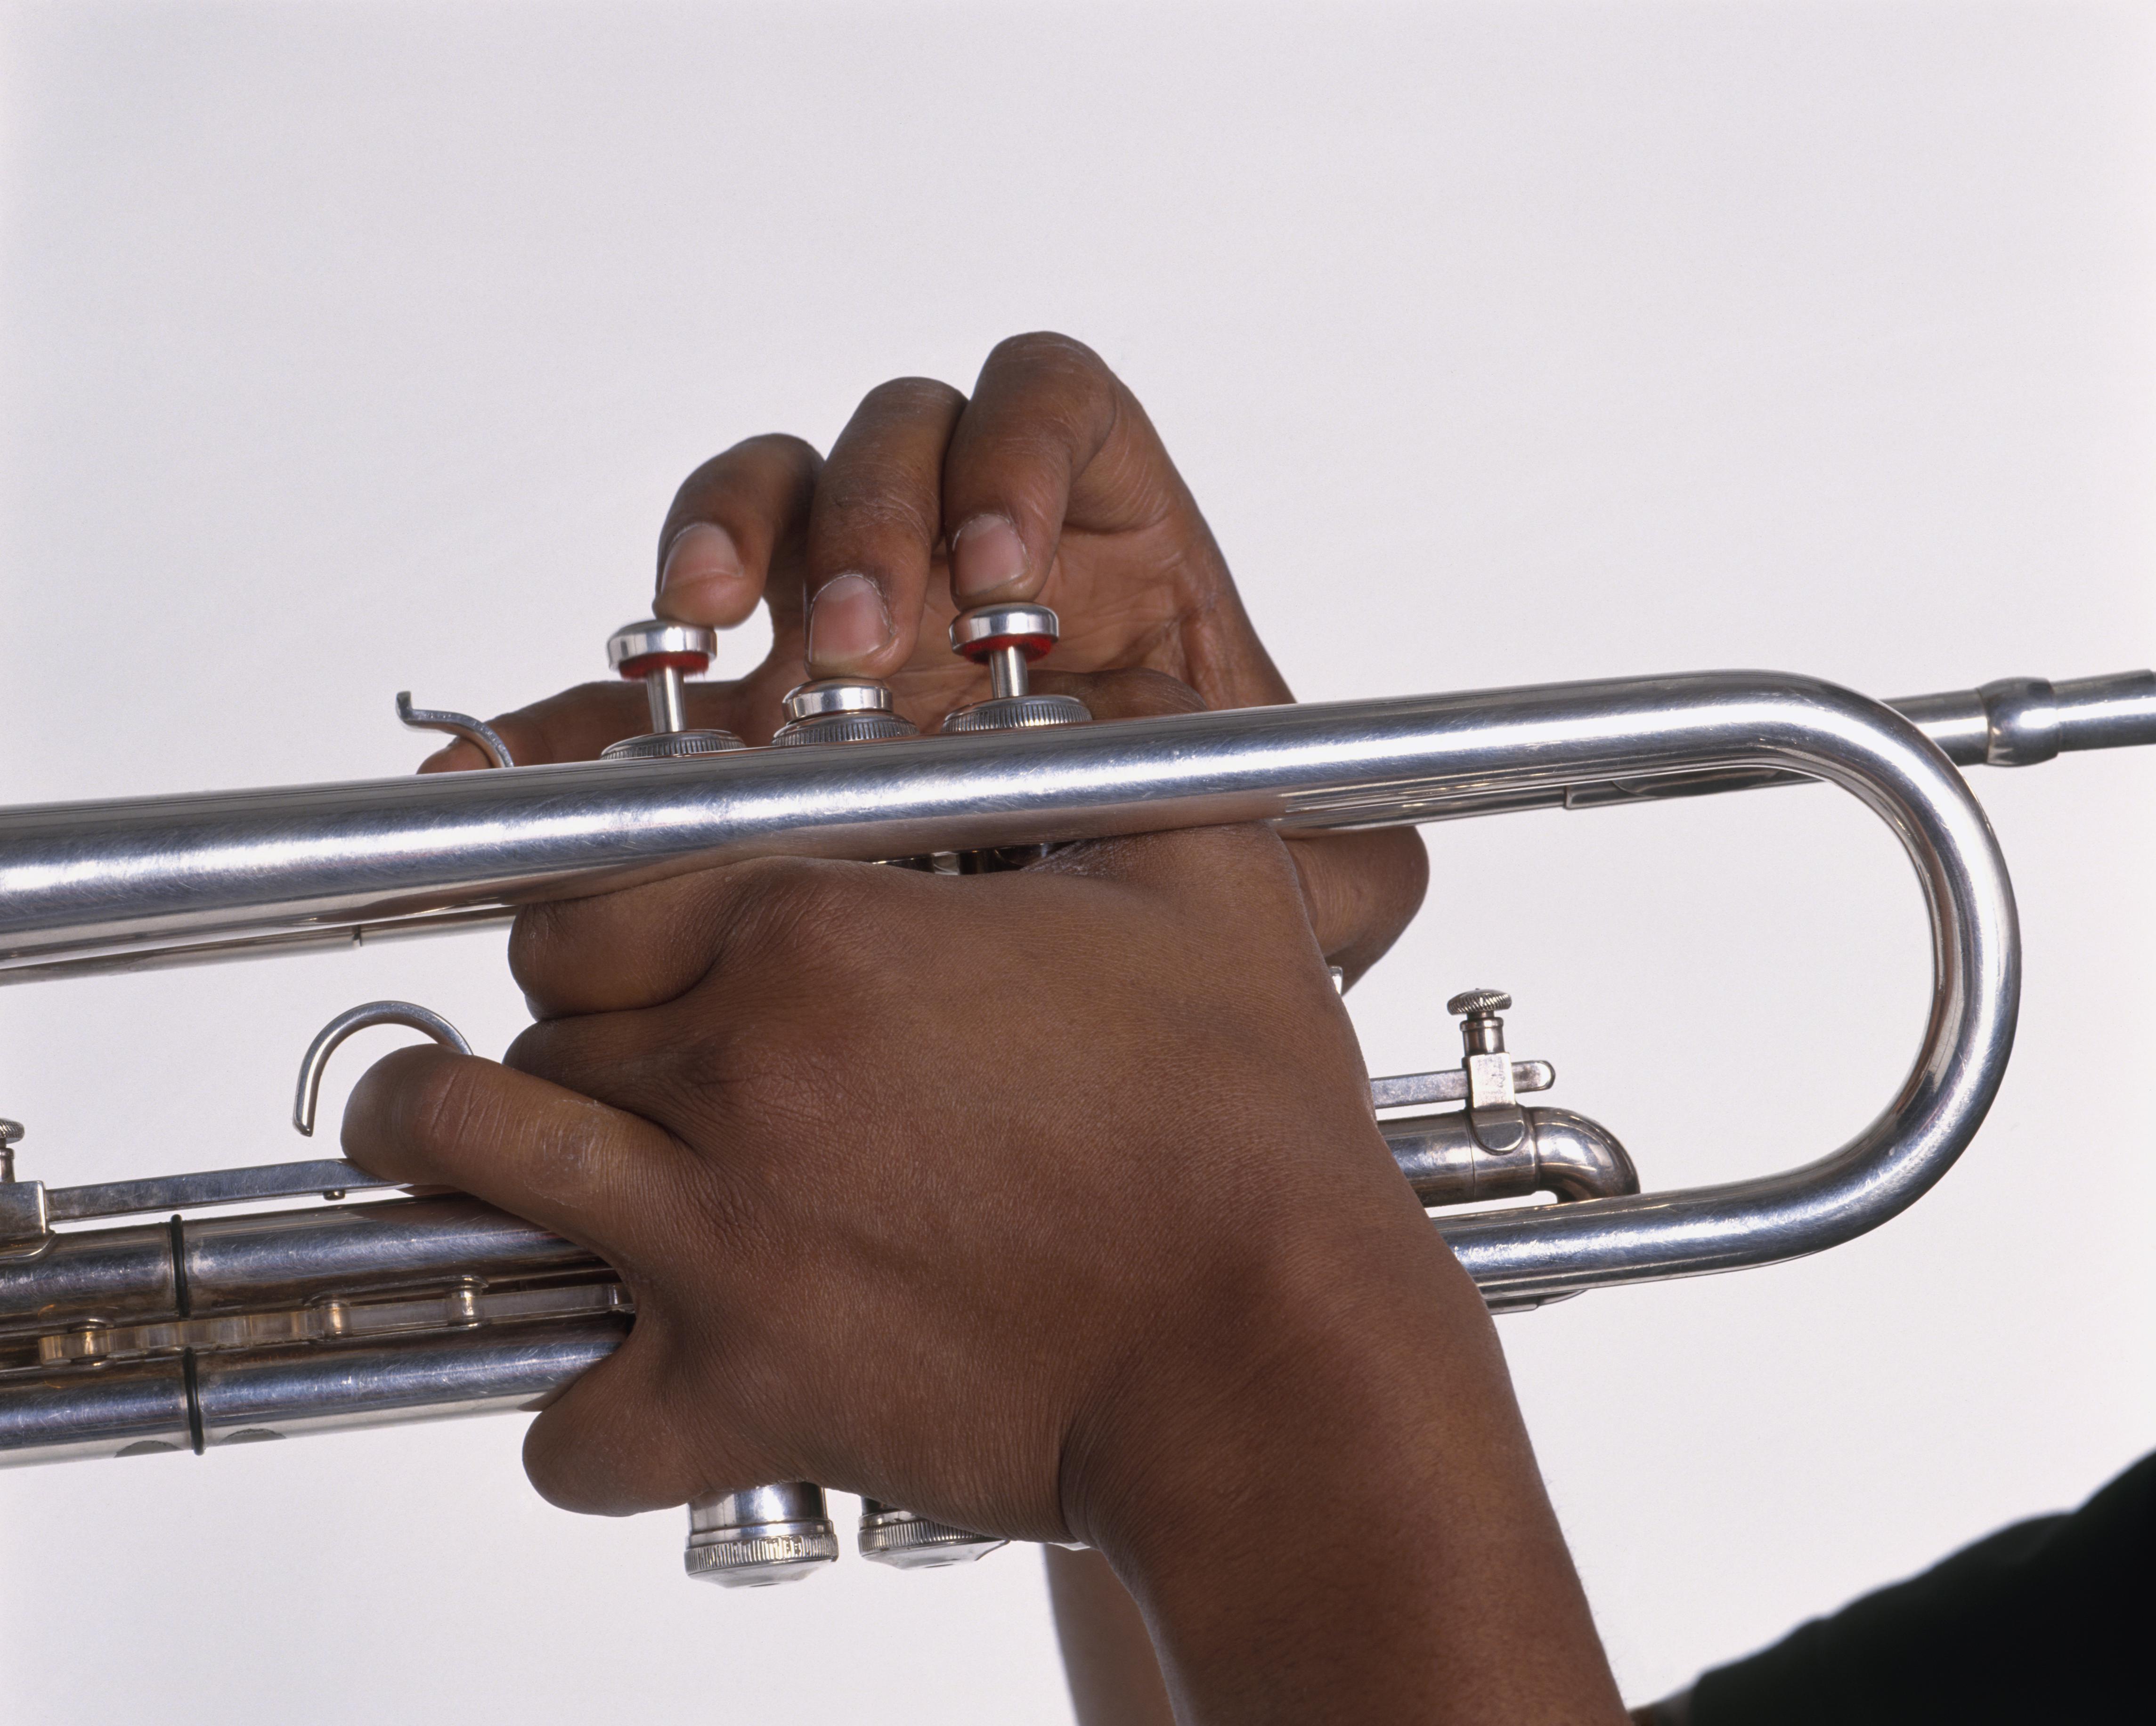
[[847, 624], [702, 574], [986, 554]]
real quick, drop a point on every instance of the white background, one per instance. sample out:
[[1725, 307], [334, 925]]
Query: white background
[[348, 349]]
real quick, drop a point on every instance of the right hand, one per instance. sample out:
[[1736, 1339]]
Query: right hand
[[1047, 1203]]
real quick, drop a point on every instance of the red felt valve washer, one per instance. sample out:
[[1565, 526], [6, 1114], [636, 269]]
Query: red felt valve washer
[[643, 664], [1032, 645]]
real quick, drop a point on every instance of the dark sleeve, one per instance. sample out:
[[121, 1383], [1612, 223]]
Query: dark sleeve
[[2048, 1622]]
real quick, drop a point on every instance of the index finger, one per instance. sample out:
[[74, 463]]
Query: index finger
[[429, 1116], [874, 528]]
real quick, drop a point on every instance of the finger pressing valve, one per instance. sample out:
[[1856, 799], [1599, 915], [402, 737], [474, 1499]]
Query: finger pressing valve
[[1007, 639]]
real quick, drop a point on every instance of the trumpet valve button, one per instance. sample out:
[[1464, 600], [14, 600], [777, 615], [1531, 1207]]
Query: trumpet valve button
[[1007, 639], [638, 649], [837, 710], [979, 635], [660, 654]]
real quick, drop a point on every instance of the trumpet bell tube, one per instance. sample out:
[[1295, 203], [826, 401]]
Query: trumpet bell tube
[[121, 1337]]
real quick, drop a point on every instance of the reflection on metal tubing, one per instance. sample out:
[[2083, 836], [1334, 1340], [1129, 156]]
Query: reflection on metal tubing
[[101, 884], [234, 1262], [336, 1387], [120, 883], [1562, 1153], [143, 1407]]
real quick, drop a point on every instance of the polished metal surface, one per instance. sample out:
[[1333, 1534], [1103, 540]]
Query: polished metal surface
[[329, 1177], [904, 1541], [659, 638], [97, 876], [659, 653], [407, 1013], [2021, 721], [1006, 638], [763, 1536], [1494, 1115], [1475, 1003], [25, 1216], [670, 746], [205, 1331], [1559, 1152], [835, 694], [195, 1399], [985, 629], [1017, 713], [1405, 1089], [197, 1331], [234, 1264], [201, 1331], [83, 884], [839, 709], [481, 736], [337, 1387], [188, 1267]]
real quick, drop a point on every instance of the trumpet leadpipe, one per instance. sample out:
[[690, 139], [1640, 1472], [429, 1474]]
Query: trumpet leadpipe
[[156, 880]]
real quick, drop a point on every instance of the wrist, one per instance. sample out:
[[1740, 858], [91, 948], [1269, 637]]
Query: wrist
[[1302, 1415], [1325, 1505]]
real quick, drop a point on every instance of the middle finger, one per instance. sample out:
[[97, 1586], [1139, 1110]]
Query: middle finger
[[874, 528]]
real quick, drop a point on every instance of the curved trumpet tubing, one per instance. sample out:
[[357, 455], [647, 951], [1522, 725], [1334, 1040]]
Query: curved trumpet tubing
[[157, 879], [117, 1339], [1884, 762]]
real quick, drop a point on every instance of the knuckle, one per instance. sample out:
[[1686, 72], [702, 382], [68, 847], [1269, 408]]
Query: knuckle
[[771, 474], [536, 1049], [796, 456], [1139, 692], [539, 940], [789, 913], [910, 398], [874, 501], [1047, 350], [440, 1105]]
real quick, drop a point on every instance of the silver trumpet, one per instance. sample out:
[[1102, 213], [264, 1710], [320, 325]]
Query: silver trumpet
[[143, 1316]]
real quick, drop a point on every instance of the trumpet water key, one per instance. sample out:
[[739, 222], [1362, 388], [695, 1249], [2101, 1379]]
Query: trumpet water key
[[142, 1316]]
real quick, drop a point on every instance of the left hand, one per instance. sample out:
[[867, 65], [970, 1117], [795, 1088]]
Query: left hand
[[1048, 483]]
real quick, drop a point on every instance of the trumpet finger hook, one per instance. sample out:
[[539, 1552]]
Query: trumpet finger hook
[[481, 736], [358, 1018]]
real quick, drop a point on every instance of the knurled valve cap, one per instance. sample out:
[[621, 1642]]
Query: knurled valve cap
[[839, 709], [759, 1537], [1008, 638], [1482, 1032], [661, 653], [908, 1542]]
